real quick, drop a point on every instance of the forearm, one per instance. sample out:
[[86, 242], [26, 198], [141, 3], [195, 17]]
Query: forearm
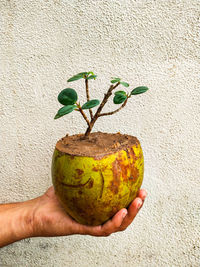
[[15, 221]]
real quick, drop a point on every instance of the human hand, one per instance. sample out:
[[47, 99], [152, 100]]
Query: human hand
[[50, 219], [44, 216]]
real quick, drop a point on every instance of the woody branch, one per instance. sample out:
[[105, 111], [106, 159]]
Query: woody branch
[[97, 114]]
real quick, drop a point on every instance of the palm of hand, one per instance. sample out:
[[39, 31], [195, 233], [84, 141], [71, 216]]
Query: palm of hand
[[50, 219]]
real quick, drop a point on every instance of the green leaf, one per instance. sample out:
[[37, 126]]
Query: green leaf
[[124, 84], [64, 110], [90, 72], [139, 90], [67, 96], [120, 93], [115, 80], [119, 98], [91, 104], [82, 73], [76, 77], [91, 77]]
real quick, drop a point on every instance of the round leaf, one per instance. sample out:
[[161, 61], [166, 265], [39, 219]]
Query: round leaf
[[119, 98], [67, 96], [91, 104], [139, 90], [64, 110], [120, 93], [124, 84]]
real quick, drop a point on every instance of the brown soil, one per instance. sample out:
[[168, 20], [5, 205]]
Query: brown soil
[[97, 144]]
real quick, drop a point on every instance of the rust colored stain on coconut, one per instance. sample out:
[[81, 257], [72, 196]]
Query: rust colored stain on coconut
[[104, 185]]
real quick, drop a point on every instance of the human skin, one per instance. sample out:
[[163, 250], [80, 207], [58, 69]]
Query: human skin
[[44, 217]]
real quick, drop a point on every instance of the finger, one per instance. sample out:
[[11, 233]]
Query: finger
[[117, 223], [142, 194], [107, 228], [113, 224], [132, 212], [50, 192]]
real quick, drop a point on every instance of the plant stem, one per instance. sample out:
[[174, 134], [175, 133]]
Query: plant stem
[[83, 114], [115, 111], [88, 96], [96, 115]]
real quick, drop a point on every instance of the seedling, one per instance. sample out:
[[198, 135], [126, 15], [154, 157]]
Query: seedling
[[69, 99]]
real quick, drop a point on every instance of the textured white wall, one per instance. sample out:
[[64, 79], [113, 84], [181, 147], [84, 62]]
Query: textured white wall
[[149, 42]]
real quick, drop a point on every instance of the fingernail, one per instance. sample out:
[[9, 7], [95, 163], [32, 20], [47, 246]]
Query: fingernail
[[124, 214], [139, 204], [145, 195]]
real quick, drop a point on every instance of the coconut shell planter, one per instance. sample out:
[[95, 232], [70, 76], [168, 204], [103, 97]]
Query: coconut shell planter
[[96, 174]]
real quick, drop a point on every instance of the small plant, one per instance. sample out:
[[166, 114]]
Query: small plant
[[69, 99]]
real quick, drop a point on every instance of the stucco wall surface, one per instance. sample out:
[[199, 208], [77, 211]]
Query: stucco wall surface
[[152, 43]]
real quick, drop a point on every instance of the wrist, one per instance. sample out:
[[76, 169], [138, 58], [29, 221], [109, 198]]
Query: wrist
[[16, 221], [22, 223]]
